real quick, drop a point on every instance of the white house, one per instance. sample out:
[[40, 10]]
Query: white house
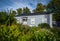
[[33, 19]]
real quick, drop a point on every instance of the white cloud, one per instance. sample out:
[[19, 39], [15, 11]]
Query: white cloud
[[23, 3]]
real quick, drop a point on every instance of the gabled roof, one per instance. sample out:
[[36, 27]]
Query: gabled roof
[[31, 14]]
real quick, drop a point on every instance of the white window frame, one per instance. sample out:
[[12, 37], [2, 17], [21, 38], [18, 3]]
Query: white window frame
[[32, 20], [44, 19]]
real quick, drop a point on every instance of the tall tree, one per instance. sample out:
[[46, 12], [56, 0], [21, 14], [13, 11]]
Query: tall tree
[[40, 8], [11, 18], [3, 17], [7, 18], [26, 10], [13, 12], [19, 11], [54, 5]]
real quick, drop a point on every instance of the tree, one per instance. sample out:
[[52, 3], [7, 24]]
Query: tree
[[10, 18], [7, 18], [26, 10], [40, 8], [19, 11], [13, 12], [54, 5], [3, 17]]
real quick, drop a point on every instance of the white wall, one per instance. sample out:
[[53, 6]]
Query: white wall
[[46, 18]]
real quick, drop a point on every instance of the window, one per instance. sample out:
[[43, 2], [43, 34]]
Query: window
[[44, 19], [24, 19], [32, 20]]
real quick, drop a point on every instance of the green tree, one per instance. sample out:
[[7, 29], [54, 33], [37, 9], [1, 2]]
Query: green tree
[[13, 12], [26, 10], [40, 8], [54, 5], [19, 11], [3, 17], [7, 18], [10, 18]]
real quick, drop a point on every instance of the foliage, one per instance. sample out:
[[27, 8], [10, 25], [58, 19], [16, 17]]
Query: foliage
[[40, 8], [44, 25], [26, 10], [7, 17], [9, 33], [3, 17], [10, 19], [13, 12], [54, 5], [17, 33], [19, 11], [56, 17], [56, 31]]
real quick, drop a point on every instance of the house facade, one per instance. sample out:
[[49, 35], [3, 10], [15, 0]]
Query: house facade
[[33, 19]]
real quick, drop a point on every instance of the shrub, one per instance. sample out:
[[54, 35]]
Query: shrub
[[44, 25], [38, 35], [9, 33], [41, 35], [14, 33], [56, 31]]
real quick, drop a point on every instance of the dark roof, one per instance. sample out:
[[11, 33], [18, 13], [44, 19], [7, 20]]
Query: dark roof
[[31, 14]]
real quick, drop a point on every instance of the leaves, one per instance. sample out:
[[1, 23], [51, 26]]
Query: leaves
[[39, 8], [19, 11], [3, 17], [54, 5], [26, 10], [14, 33]]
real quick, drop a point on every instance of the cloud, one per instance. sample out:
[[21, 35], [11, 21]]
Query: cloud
[[21, 3]]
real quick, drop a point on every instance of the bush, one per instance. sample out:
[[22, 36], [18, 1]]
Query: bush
[[14, 33], [44, 25], [38, 35], [9, 33], [56, 31]]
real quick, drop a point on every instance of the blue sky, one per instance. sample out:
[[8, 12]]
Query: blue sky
[[4, 4]]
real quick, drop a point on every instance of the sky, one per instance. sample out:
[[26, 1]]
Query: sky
[[31, 4]]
